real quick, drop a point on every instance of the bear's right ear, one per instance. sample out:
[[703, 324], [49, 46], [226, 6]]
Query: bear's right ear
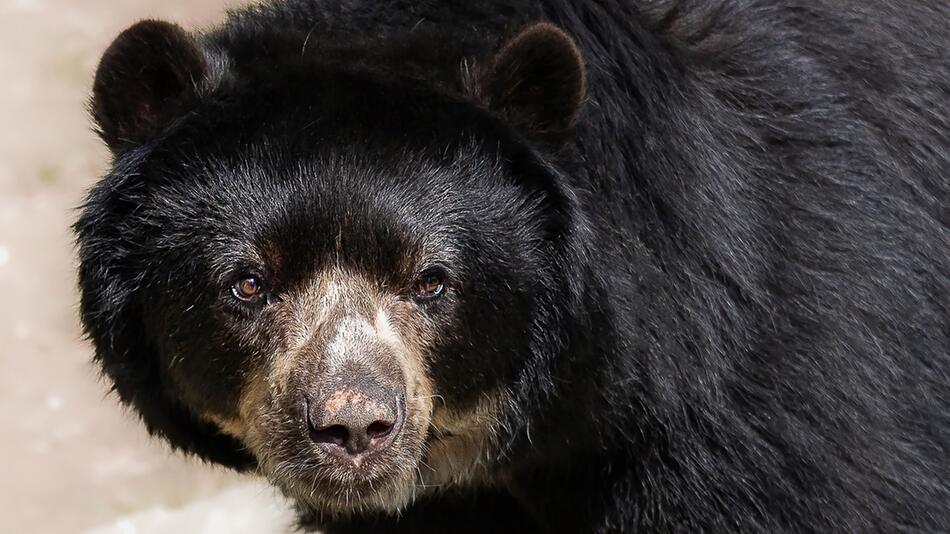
[[148, 74]]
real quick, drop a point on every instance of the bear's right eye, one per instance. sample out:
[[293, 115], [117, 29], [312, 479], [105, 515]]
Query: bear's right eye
[[429, 285], [249, 289]]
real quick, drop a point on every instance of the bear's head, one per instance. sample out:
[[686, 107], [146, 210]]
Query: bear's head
[[317, 266]]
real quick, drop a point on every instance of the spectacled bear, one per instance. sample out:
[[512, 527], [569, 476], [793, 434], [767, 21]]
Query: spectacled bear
[[538, 265]]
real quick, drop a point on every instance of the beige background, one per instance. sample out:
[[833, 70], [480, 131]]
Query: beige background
[[72, 459]]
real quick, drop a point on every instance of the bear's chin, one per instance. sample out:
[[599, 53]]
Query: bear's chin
[[387, 496], [380, 486]]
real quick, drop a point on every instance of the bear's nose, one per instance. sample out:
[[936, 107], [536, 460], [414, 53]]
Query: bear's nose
[[354, 417]]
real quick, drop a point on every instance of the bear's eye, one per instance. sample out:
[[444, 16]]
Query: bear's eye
[[430, 284], [249, 289]]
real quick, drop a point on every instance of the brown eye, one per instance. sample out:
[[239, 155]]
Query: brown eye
[[248, 289], [429, 285]]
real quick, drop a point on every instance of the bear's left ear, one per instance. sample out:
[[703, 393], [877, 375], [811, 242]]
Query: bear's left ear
[[150, 73], [537, 80]]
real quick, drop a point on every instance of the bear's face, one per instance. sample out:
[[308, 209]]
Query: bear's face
[[331, 274], [342, 317]]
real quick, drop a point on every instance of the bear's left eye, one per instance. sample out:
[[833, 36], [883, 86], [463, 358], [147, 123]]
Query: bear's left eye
[[430, 284], [249, 288]]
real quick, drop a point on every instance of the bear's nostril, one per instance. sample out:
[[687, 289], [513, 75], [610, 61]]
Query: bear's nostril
[[334, 434], [379, 429]]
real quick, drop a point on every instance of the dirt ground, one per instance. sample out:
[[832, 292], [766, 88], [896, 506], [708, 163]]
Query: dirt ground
[[73, 460]]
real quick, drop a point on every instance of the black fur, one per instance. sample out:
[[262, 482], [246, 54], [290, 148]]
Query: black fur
[[720, 302]]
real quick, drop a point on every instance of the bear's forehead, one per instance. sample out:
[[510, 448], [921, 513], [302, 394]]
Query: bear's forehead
[[355, 192], [292, 219]]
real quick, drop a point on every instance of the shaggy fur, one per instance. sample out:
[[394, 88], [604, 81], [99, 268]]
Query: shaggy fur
[[699, 250]]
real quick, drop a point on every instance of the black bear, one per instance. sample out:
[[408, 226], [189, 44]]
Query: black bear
[[538, 265]]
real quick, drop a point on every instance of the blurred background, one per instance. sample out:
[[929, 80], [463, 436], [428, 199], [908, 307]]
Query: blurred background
[[73, 460]]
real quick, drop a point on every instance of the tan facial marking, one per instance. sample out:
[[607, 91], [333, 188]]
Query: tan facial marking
[[331, 321], [459, 451], [353, 335], [384, 329], [232, 426], [341, 398]]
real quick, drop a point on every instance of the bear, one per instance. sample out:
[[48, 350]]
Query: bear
[[537, 265]]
